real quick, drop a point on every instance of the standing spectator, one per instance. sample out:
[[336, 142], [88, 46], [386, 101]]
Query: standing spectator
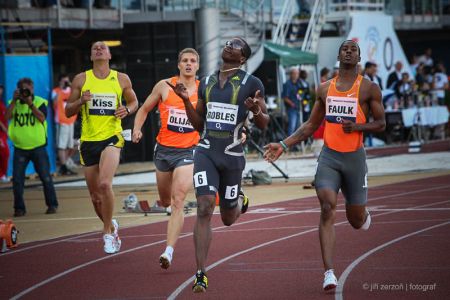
[[426, 58], [64, 125], [405, 90], [291, 98], [305, 95], [4, 150], [324, 75], [370, 72], [28, 133], [395, 76], [440, 84]]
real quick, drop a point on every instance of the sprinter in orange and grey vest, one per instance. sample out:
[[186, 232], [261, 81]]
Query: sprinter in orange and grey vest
[[174, 151], [345, 102]]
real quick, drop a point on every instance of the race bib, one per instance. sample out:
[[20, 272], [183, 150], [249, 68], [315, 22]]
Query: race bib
[[341, 108], [221, 116], [178, 121], [102, 104]]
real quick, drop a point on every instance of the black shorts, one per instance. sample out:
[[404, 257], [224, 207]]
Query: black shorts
[[166, 159], [91, 151], [218, 172]]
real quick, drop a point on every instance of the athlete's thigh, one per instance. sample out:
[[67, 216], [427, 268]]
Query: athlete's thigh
[[354, 185], [206, 175], [164, 184], [182, 180], [328, 175], [109, 161], [230, 182], [91, 174]]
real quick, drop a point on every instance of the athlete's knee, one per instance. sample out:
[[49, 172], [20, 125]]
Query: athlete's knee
[[205, 208], [105, 185], [356, 220], [177, 204], [95, 198], [327, 211], [227, 221]]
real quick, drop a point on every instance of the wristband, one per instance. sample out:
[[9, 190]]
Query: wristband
[[283, 144]]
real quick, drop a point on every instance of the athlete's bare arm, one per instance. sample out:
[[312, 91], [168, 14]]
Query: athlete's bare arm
[[129, 95], [75, 102], [158, 91], [372, 99], [195, 115]]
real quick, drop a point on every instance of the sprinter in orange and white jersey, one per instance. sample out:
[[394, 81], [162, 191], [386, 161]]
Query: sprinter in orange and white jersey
[[173, 155], [344, 102]]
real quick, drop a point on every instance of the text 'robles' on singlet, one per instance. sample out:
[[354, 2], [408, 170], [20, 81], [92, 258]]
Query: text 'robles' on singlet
[[176, 130], [98, 120], [339, 106], [225, 109]]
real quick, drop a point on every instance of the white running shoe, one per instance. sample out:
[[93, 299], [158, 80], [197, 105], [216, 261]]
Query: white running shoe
[[330, 281], [116, 226], [118, 241], [165, 260], [366, 224], [110, 243]]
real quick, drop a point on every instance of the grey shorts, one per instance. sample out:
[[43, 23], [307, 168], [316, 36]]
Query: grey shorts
[[343, 170], [166, 159]]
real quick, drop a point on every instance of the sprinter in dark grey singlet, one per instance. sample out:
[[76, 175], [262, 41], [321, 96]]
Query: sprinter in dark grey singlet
[[224, 101], [219, 157]]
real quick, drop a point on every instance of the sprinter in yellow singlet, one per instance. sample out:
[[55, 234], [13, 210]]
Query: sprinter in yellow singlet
[[97, 94]]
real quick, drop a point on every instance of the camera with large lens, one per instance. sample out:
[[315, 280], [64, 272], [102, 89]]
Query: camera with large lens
[[25, 93]]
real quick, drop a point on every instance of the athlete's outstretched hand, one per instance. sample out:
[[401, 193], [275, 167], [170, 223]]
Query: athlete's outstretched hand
[[348, 126], [137, 136], [252, 103], [273, 151], [180, 90]]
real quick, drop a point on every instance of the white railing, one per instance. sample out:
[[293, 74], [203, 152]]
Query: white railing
[[285, 19], [315, 25], [358, 5]]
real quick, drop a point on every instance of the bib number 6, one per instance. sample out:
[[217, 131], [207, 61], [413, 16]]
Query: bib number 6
[[200, 179]]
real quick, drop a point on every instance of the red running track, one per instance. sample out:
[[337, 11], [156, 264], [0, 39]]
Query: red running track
[[272, 252]]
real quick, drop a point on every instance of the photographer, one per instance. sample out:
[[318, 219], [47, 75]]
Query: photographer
[[28, 132]]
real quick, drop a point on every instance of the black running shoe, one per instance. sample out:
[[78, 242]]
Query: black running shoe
[[245, 201], [200, 282]]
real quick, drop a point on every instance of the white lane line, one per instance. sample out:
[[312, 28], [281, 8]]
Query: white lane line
[[182, 286], [346, 273], [92, 233], [220, 227], [59, 275]]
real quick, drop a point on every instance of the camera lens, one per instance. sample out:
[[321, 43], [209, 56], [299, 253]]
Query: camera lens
[[25, 92]]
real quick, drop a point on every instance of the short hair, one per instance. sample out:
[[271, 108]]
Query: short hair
[[188, 50], [369, 65], [246, 50], [340, 47], [26, 80], [324, 71]]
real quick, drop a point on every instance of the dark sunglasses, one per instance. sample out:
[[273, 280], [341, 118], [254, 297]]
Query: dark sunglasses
[[234, 45]]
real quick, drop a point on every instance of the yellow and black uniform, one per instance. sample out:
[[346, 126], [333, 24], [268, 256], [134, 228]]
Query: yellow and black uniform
[[25, 131], [99, 127]]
